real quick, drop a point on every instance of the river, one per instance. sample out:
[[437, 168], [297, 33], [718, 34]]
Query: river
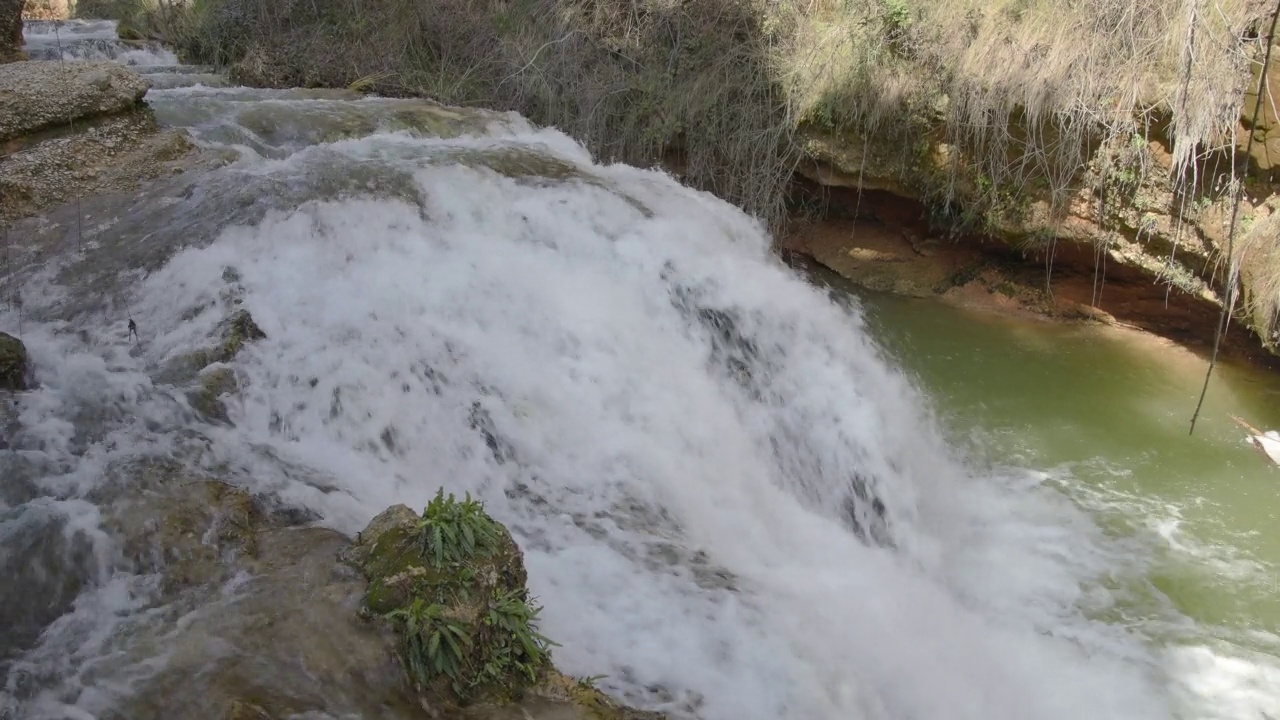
[[741, 493]]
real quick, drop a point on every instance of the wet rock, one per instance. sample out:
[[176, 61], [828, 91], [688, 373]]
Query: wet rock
[[13, 363], [232, 333], [192, 530], [284, 640], [11, 31], [206, 399], [235, 332], [44, 563], [35, 95], [298, 627], [109, 155]]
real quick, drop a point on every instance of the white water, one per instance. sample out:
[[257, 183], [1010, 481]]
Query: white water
[[682, 501]]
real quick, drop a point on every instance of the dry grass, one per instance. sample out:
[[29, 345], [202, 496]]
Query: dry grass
[[1027, 89], [1258, 258], [1024, 92], [686, 83]]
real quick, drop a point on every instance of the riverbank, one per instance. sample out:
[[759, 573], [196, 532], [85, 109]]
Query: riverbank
[[881, 242]]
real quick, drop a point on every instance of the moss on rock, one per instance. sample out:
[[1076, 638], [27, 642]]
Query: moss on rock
[[186, 528], [452, 584], [236, 331], [232, 333], [206, 399], [241, 710], [13, 363]]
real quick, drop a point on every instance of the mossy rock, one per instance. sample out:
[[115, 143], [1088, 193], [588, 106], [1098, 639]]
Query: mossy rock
[[13, 363], [187, 529], [473, 601], [233, 333], [206, 399], [240, 710]]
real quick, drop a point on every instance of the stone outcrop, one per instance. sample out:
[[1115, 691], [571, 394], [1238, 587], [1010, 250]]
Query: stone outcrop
[[13, 363], [38, 95], [11, 31], [111, 154], [283, 619], [77, 129], [1122, 219]]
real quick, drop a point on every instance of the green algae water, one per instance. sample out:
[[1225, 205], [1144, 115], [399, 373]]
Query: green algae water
[[1104, 415]]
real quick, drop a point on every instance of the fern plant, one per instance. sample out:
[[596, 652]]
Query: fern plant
[[452, 531], [434, 645], [517, 646]]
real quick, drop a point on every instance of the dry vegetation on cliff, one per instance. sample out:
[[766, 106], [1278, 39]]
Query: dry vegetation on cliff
[[1018, 94]]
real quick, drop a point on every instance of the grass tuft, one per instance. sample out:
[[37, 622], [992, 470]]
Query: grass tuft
[[453, 532]]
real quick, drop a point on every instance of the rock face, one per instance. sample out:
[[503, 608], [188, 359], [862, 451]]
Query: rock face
[[74, 130], [13, 363], [43, 94], [295, 621], [11, 31], [1124, 213]]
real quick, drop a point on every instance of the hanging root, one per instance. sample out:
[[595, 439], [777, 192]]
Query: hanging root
[[1229, 301]]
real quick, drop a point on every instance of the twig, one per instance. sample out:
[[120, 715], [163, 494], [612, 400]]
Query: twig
[[1228, 303], [71, 122]]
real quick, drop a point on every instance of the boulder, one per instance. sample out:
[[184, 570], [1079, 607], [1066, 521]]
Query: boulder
[[37, 95], [13, 363], [452, 584], [11, 31]]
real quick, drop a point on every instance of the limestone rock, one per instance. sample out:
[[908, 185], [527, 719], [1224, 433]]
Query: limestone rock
[[36, 95], [284, 640], [13, 363], [213, 386], [107, 155], [11, 31], [232, 333], [292, 629], [190, 530]]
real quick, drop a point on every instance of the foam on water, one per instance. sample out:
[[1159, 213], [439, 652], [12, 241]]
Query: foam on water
[[687, 492], [731, 504]]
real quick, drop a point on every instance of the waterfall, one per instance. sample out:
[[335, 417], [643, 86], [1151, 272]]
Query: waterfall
[[731, 503]]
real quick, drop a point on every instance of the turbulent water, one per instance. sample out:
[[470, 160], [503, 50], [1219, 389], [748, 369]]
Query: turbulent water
[[731, 503]]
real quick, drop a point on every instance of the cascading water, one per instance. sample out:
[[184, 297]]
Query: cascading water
[[731, 504]]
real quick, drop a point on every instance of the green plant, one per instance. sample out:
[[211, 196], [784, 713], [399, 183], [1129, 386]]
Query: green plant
[[434, 645], [515, 645], [452, 531], [589, 682]]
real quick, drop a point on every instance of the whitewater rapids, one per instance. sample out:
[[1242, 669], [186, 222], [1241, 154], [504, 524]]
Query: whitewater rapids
[[731, 504]]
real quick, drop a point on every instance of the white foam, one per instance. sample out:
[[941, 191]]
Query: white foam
[[627, 438]]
